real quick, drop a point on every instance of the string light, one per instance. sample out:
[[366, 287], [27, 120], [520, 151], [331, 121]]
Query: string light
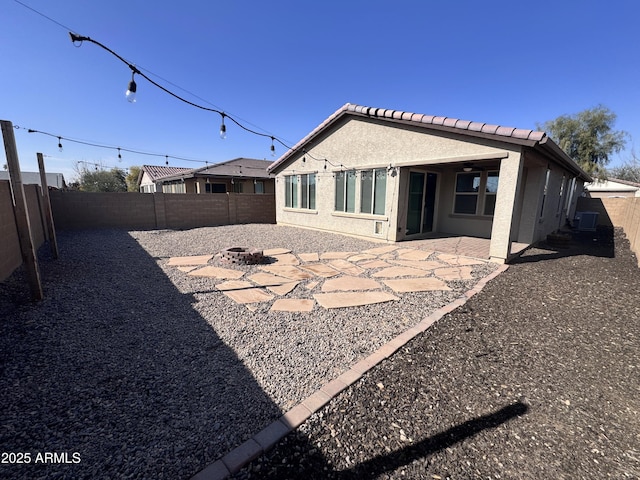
[[131, 89], [59, 144], [119, 155], [77, 41], [223, 128], [273, 148]]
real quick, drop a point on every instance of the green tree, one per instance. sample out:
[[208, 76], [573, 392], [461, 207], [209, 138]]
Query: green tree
[[588, 138], [113, 180], [629, 170], [132, 179]]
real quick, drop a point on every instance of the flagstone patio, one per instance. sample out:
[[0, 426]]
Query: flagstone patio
[[333, 279]]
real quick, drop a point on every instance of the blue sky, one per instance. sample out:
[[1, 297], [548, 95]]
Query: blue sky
[[283, 66]]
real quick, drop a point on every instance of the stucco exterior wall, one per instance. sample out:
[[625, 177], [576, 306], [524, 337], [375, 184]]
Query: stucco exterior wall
[[364, 144]]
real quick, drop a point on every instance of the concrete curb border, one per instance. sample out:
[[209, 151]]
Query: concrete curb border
[[268, 437]]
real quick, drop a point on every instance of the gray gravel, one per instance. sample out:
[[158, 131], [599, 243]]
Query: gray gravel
[[147, 372]]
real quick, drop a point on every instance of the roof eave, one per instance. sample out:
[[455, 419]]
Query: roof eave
[[550, 147]]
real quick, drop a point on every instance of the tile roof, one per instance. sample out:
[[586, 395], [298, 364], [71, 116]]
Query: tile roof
[[156, 172], [238, 167], [466, 127]]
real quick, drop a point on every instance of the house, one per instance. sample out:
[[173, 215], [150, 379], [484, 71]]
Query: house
[[54, 180], [395, 175], [240, 175], [612, 187], [150, 175]]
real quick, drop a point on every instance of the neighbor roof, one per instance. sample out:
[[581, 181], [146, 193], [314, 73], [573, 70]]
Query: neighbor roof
[[519, 136], [237, 168], [156, 172]]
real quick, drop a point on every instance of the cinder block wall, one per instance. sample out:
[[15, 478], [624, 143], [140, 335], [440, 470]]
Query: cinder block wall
[[10, 256], [10, 253], [620, 212], [80, 210]]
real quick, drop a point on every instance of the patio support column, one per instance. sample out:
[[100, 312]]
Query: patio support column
[[506, 198]]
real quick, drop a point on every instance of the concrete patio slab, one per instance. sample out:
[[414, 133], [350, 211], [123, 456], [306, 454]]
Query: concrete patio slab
[[288, 271], [265, 279], [234, 285], [346, 266], [412, 254], [309, 257], [275, 251], [249, 295], [286, 259], [335, 255], [191, 260], [374, 264], [217, 272], [380, 250], [283, 289], [347, 283], [466, 261], [352, 299], [393, 272], [320, 269], [424, 284], [187, 269], [361, 257], [453, 273], [427, 265], [293, 305]]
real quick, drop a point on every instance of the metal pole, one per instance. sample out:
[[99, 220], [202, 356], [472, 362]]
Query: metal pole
[[47, 207], [20, 209]]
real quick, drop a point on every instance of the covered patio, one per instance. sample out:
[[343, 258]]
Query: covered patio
[[466, 246]]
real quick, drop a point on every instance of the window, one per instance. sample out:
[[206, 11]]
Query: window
[[291, 191], [258, 186], [237, 186], [544, 193], [560, 197], [215, 188], [308, 184], [490, 191], [373, 190], [467, 191], [345, 191]]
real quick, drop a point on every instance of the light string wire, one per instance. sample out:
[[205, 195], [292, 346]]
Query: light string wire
[[78, 38], [109, 147]]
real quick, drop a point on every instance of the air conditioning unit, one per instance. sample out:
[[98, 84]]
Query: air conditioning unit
[[587, 221]]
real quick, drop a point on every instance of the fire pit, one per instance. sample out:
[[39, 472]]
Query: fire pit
[[241, 255]]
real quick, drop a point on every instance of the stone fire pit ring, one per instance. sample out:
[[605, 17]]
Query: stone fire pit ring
[[241, 255]]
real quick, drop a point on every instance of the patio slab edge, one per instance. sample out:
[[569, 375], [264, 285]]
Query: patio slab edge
[[236, 459]]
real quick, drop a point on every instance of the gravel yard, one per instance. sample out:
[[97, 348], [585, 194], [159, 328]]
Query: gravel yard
[[535, 377], [146, 372]]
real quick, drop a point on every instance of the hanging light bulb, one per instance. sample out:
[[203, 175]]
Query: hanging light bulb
[[131, 90], [273, 148], [166, 159], [223, 128], [59, 144], [119, 155]]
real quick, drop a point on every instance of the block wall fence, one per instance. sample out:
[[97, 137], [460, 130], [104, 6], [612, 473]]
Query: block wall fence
[[74, 210], [617, 211], [10, 254]]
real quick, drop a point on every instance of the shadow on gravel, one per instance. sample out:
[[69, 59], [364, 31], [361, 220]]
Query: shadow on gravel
[[308, 462], [386, 463], [598, 244], [117, 366]]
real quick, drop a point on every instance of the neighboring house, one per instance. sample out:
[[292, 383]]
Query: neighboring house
[[54, 180], [397, 175], [612, 187], [150, 175], [240, 175]]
